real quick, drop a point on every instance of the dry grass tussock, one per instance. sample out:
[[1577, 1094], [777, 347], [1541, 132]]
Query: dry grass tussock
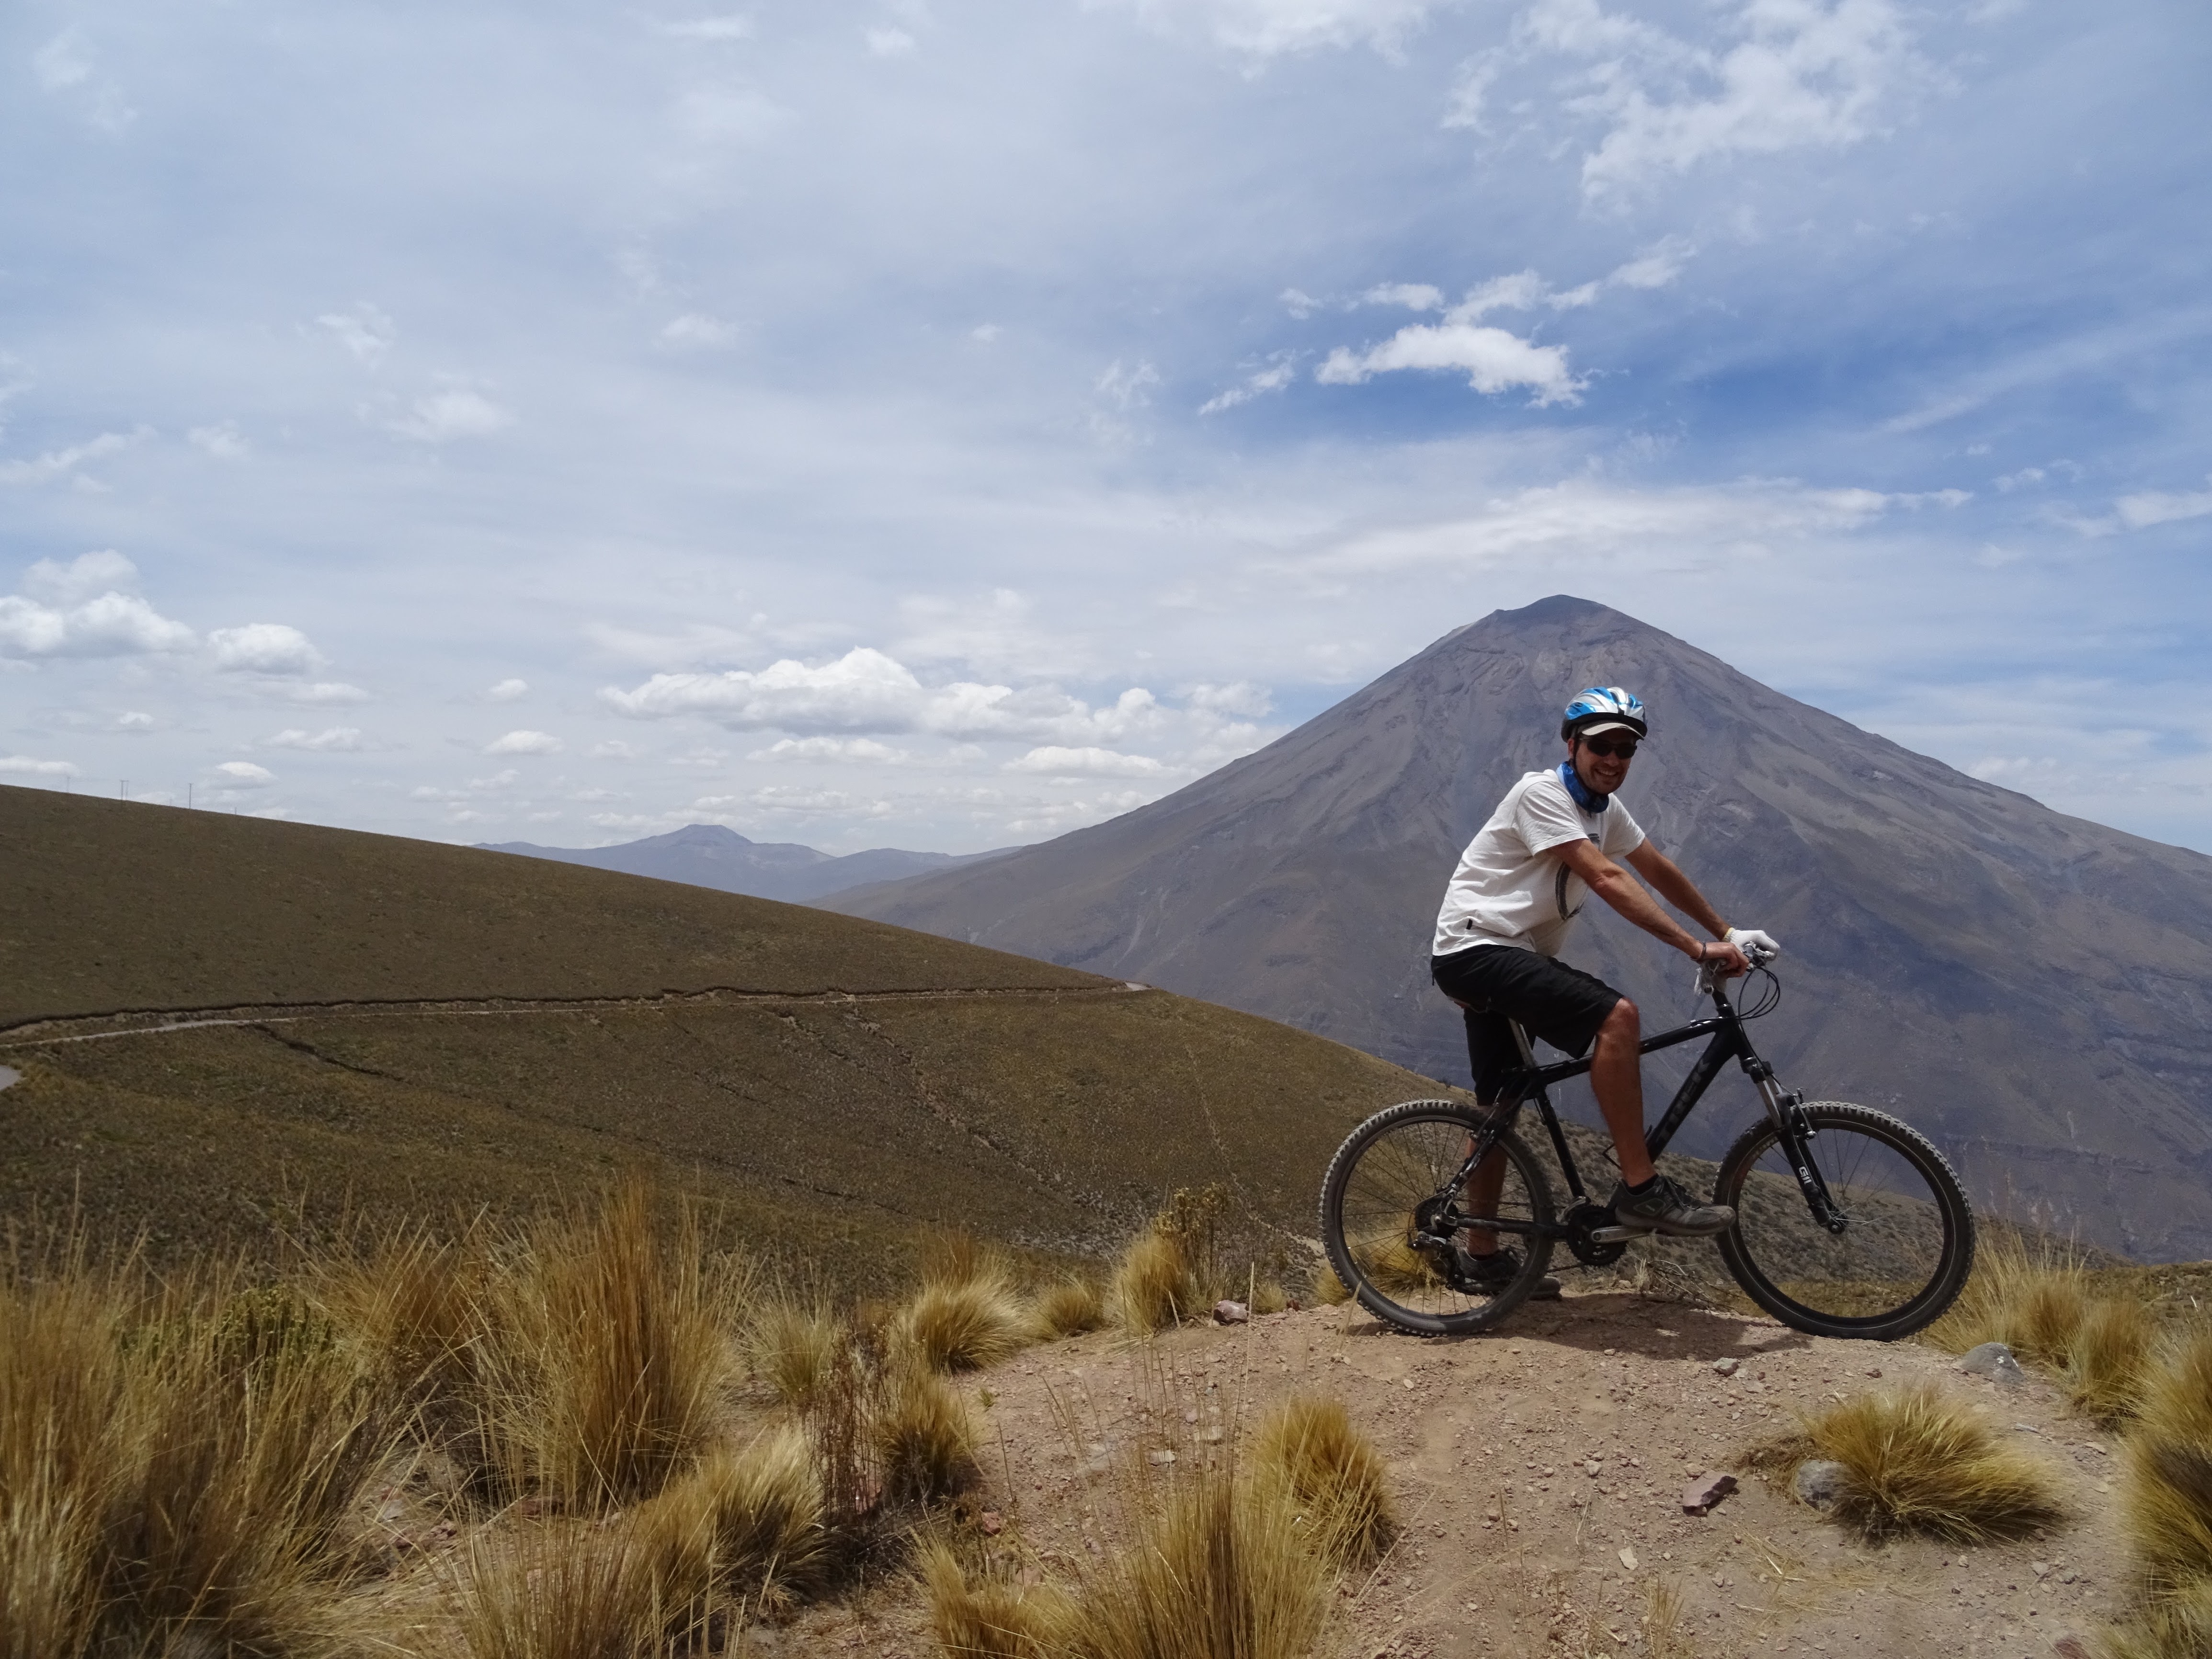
[[1214, 1569], [176, 1464], [2168, 1463], [966, 1325], [993, 1617], [1307, 1449], [1171, 1271], [1067, 1308], [924, 1438], [1922, 1460], [562, 1591], [608, 1421], [2039, 1300], [794, 1349], [747, 1525]]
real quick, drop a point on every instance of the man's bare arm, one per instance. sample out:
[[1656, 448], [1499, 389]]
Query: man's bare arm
[[1625, 894], [1677, 889]]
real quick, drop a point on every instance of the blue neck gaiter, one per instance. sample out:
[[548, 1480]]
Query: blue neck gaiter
[[1588, 799]]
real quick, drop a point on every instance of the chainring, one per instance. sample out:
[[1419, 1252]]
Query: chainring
[[1582, 1221]]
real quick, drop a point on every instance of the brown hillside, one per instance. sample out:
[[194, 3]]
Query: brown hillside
[[113, 906], [404, 1028]]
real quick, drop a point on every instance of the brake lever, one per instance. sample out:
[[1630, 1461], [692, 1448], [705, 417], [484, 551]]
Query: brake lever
[[1708, 973]]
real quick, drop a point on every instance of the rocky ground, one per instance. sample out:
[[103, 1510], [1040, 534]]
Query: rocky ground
[[1539, 1475]]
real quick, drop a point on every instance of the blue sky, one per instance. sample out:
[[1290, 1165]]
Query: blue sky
[[942, 425]]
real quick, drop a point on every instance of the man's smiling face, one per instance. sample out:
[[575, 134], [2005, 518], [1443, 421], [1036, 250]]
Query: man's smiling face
[[1603, 772]]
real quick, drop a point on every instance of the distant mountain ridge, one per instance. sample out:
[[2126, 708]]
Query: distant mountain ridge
[[710, 855], [2033, 990]]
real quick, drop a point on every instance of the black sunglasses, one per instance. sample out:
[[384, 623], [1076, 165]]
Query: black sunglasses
[[1625, 748]]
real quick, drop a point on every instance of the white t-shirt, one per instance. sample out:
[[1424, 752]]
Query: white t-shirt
[[1506, 891]]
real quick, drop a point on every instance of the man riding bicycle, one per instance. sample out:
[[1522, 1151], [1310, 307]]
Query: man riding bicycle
[[1511, 904]]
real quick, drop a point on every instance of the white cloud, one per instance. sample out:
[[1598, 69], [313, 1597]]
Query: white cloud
[[64, 462], [245, 774], [2019, 480], [61, 614], [274, 648], [135, 720], [1053, 817], [1267, 27], [36, 768], [730, 26], [1105, 763], [1239, 697], [86, 574], [889, 42], [1494, 360], [810, 803], [695, 331], [508, 691], [1800, 73], [65, 68], [365, 331], [1272, 378], [222, 440], [1128, 386], [1414, 296], [1656, 267], [335, 739], [1521, 290], [64, 61], [867, 749], [1583, 521], [456, 412], [525, 743], [1298, 304], [323, 691], [866, 691], [2138, 512], [2157, 506]]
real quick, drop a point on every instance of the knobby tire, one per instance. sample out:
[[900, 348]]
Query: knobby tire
[[1906, 1251], [1388, 1165]]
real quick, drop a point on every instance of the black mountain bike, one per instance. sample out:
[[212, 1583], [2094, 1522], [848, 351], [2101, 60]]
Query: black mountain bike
[[1849, 1223]]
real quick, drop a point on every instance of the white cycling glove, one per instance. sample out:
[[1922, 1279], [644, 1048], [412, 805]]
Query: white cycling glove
[[1748, 939]]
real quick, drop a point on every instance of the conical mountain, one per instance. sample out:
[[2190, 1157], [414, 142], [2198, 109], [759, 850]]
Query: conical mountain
[[2034, 990]]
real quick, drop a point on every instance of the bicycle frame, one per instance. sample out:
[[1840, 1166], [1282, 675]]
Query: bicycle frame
[[1730, 1041]]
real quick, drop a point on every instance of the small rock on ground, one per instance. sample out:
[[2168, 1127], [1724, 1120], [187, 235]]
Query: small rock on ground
[[1993, 1360], [1818, 1483]]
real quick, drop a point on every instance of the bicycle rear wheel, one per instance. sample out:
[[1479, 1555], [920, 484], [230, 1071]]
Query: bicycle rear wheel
[[1907, 1243], [1381, 1184]]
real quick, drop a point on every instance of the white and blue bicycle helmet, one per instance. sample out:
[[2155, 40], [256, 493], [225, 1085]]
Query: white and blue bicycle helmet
[[1603, 708]]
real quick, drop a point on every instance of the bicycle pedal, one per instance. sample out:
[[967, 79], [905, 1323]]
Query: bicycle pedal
[[1613, 1235]]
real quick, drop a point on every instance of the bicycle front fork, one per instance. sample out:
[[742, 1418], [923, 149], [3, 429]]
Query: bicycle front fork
[[1786, 1106]]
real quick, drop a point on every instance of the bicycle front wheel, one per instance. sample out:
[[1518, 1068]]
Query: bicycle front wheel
[[1386, 1180], [1907, 1240]]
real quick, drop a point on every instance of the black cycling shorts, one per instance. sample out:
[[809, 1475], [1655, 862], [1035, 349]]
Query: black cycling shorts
[[1493, 983]]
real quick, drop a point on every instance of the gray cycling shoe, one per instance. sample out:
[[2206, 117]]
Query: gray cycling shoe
[[1486, 1275], [1669, 1211]]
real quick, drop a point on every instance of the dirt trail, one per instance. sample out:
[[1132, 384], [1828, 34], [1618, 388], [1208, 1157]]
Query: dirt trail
[[1540, 1473], [155, 1022]]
